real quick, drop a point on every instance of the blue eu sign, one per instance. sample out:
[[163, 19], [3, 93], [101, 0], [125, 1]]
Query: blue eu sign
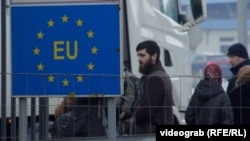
[[60, 49]]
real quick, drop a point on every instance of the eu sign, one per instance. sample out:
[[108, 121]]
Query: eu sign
[[60, 49]]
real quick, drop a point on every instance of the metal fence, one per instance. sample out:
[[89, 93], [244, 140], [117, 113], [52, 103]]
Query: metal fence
[[31, 118]]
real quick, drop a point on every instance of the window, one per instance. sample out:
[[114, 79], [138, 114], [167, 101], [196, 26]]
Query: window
[[226, 39], [224, 48], [170, 8], [167, 58]]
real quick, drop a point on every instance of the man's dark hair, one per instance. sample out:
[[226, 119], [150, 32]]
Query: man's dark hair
[[151, 48]]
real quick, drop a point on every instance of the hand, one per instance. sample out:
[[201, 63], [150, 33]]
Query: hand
[[130, 120], [59, 109]]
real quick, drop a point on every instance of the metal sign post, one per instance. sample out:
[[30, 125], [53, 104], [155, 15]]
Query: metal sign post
[[23, 120], [3, 69]]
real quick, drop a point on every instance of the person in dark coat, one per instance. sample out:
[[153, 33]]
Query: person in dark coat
[[156, 104], [240, 97], [89, 115], [238, 57], [209, 105]]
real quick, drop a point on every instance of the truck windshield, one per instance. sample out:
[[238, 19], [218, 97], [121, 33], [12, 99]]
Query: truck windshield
[[170, 8]]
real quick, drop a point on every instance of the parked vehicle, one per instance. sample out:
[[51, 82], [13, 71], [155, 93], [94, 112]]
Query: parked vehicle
[[200, 60]]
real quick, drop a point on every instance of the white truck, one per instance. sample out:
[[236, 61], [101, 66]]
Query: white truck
[[159, 20]]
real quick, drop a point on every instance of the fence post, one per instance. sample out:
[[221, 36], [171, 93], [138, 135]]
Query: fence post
[[23, 119], [111, 119]]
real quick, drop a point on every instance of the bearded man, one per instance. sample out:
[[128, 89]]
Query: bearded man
[[156, 104]]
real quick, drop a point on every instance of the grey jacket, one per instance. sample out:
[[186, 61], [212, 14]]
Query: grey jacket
[[209, 105]]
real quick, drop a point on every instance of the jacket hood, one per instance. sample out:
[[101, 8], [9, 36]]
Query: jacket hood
[[207, 89]]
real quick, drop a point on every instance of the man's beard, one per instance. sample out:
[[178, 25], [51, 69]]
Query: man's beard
[[146, 67]]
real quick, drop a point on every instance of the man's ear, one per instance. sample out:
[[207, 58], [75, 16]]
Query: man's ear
[[154, 56]]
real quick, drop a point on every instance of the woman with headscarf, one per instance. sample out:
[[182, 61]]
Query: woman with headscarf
[[240, 97], [209, 105]]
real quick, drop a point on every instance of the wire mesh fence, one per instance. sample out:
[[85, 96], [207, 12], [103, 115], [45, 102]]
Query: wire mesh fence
[[90, 113]]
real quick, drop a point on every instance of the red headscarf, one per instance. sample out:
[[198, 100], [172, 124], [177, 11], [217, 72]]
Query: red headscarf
[[213, 72]]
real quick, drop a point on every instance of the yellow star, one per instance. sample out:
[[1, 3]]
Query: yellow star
[[51, 78], [79, 22], [94, 50], [51, 23], [40, 35], [90, 66], [72, 95], [65, 19], [65, 82], [79, 78], [36, 51], [90, 34], [40, 67]]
